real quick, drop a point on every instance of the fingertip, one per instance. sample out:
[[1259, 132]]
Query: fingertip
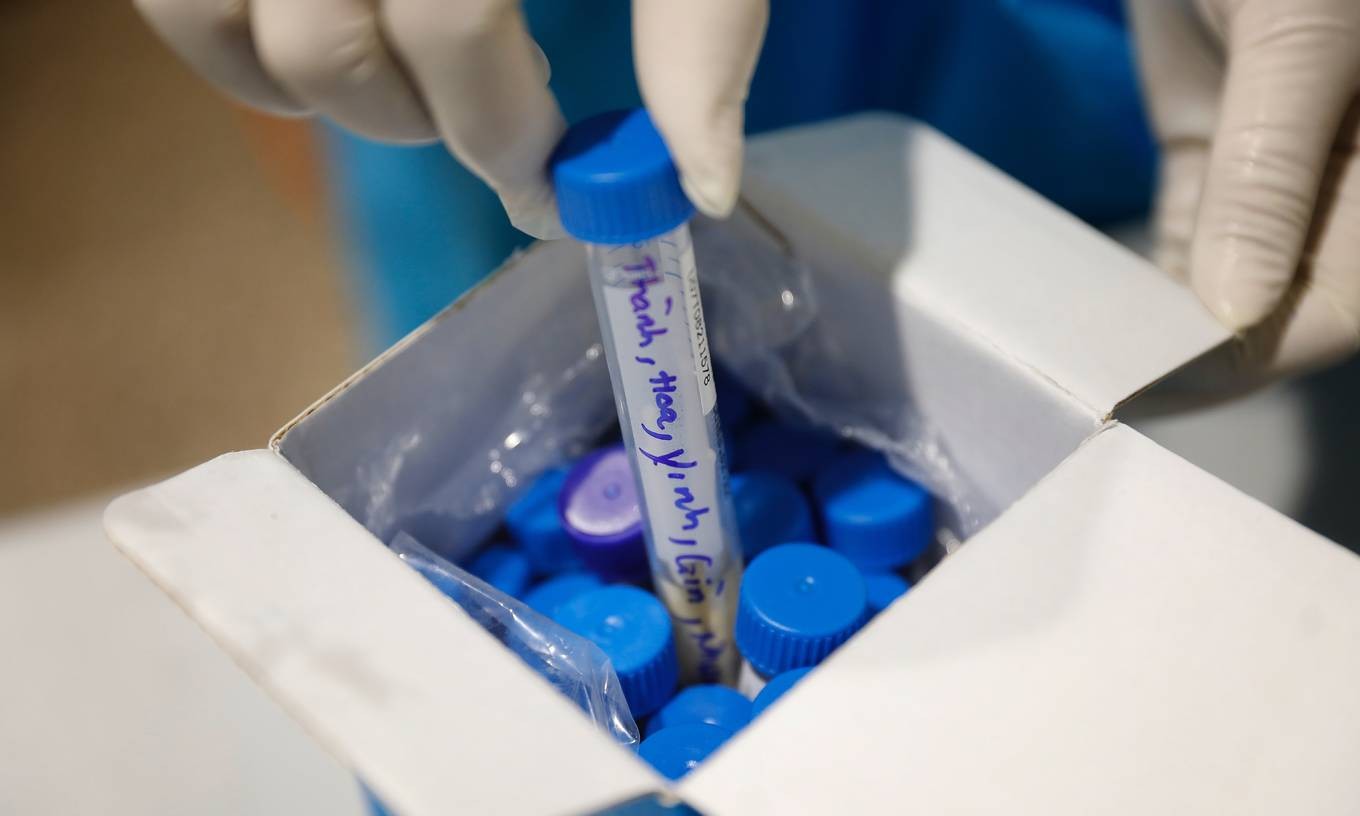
[[1236, 311], [535, 214], [707, 149], [1238, 288], [713, 196]]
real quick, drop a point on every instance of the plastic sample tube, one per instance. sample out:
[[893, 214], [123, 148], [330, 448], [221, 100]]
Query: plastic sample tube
[[795, 452], [601, 511], [555, 592], [770, 510], [709, 704], [870, 514], [798, 603], [632, 629], [618, 191], [504, 568], [884, 588], [534, 522], [776, 688], [675, 751]]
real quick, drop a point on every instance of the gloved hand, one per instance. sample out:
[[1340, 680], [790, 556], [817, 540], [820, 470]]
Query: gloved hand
[[1254, 102], [467, 72]]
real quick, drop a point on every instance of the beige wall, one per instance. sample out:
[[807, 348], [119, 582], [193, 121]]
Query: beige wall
[[163, 296]]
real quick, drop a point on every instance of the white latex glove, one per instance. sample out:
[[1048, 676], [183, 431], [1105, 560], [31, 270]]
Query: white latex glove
[[1254, 102], [467, 72]]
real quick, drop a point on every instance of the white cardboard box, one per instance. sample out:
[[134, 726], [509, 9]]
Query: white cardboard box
[[1128, 635]]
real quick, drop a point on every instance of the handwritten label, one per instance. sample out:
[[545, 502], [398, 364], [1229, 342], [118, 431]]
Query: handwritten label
[[651, 297]]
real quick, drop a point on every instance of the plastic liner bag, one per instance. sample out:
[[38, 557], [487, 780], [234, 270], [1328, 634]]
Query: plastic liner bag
[[564, 406], [573, 665], [762, 312], [761, 304]]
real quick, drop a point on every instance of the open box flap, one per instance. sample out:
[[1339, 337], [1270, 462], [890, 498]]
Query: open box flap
[[1133, 636], [362, 651], [963, 240]]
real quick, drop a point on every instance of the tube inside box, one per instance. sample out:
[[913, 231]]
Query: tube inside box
[[440, 434]]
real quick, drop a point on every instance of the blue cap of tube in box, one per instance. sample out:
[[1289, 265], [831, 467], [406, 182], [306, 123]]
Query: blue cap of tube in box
[[775, 689], [884, 588], [504, 568], [633, 629], [798, 602], [602, 512], [875, 517], [615, 181], [549, 596], [534, 522], [793, 451], [770, 510], [734, 404], [711, 704], [674, 751]]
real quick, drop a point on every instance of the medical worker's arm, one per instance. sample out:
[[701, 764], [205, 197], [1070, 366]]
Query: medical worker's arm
[[467, 72], [1255, 104]]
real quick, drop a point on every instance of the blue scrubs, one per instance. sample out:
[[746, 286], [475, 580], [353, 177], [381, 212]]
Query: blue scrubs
[[1044, 89]]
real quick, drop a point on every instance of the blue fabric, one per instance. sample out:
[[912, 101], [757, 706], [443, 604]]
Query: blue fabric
[[1044, 89]]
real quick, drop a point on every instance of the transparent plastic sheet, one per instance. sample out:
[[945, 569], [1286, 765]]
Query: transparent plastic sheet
[[764, 324], [573, 665], [561, 411], [763, 319]]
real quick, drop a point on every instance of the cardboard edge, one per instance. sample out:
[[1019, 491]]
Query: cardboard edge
[[145, 508], [461, 302]]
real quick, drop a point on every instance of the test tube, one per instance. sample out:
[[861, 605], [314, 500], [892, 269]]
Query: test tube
[[619, 193]]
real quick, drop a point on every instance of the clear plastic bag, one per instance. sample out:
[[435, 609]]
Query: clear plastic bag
[[575, 666], [764, 324]]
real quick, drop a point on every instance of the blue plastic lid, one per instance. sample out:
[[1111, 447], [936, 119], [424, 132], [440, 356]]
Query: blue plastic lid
[[504, 568], [775, 689], [634, 631], [615, 181], [549, 596], [734, 404], [601, 511], [872, 515], [674, 751], [793, 451], [711, 704], [798, 602], [884, 588], [770, 510], [534, 522]]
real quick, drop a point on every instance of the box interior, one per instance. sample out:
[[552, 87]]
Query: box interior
[[973, 347], [947, 289]]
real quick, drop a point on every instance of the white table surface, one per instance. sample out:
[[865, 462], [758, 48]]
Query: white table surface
[[113, 702]]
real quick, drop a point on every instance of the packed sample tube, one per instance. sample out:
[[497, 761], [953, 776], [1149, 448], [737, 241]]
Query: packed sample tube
[[798, 603], [618, 191]]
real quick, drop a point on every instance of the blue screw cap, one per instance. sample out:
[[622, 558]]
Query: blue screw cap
[[615, 181], [775, 689], [634, 631], [601, 510], [872, 515], [792, 451], [504, 568], [534, 523], [770, 510], [550, 595], [798, 602], [734, 404], [675, 751], [884, 588], [711, 704]]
